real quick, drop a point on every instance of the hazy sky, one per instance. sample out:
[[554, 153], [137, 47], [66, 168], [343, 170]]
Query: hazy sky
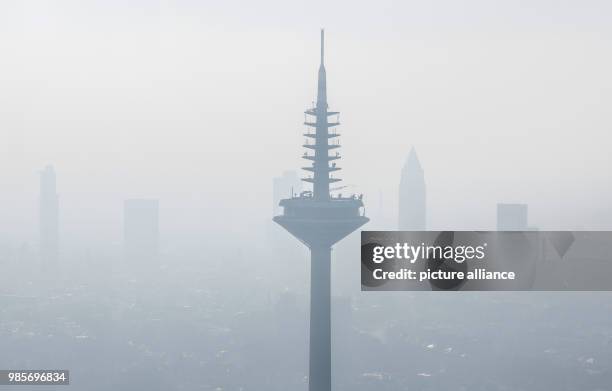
[[200, 104]]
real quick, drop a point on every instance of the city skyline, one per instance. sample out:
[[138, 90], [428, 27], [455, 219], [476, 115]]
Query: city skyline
[[144, 255], [139, 100]]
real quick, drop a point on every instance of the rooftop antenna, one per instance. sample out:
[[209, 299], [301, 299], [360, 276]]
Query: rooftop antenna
[[322, 46]]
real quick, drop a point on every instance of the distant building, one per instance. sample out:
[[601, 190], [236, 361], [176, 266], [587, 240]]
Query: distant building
[[342, 317], [281, 245], [141, 230], [342, 337], [512, 217], [290, 312], [412, 195], [282, 187], [48, 219]]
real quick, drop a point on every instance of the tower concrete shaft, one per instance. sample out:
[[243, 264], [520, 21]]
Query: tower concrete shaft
[[319, 373], [319, 221]]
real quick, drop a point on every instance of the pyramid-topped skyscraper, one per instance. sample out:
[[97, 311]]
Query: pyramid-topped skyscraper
[[412, 195]]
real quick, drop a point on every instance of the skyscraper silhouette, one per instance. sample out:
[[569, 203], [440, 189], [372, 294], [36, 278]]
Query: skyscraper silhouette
[[412, 195], [48, 219], [319, 220], [512, 217], [284, 186], [141, 231]]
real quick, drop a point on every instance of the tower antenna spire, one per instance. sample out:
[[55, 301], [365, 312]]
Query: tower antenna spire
[[322, 46]]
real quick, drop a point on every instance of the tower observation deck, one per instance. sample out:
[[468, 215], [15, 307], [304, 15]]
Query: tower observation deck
[[319, 220]]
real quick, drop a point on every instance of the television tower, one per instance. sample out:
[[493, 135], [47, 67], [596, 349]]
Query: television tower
[[319, 221]]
